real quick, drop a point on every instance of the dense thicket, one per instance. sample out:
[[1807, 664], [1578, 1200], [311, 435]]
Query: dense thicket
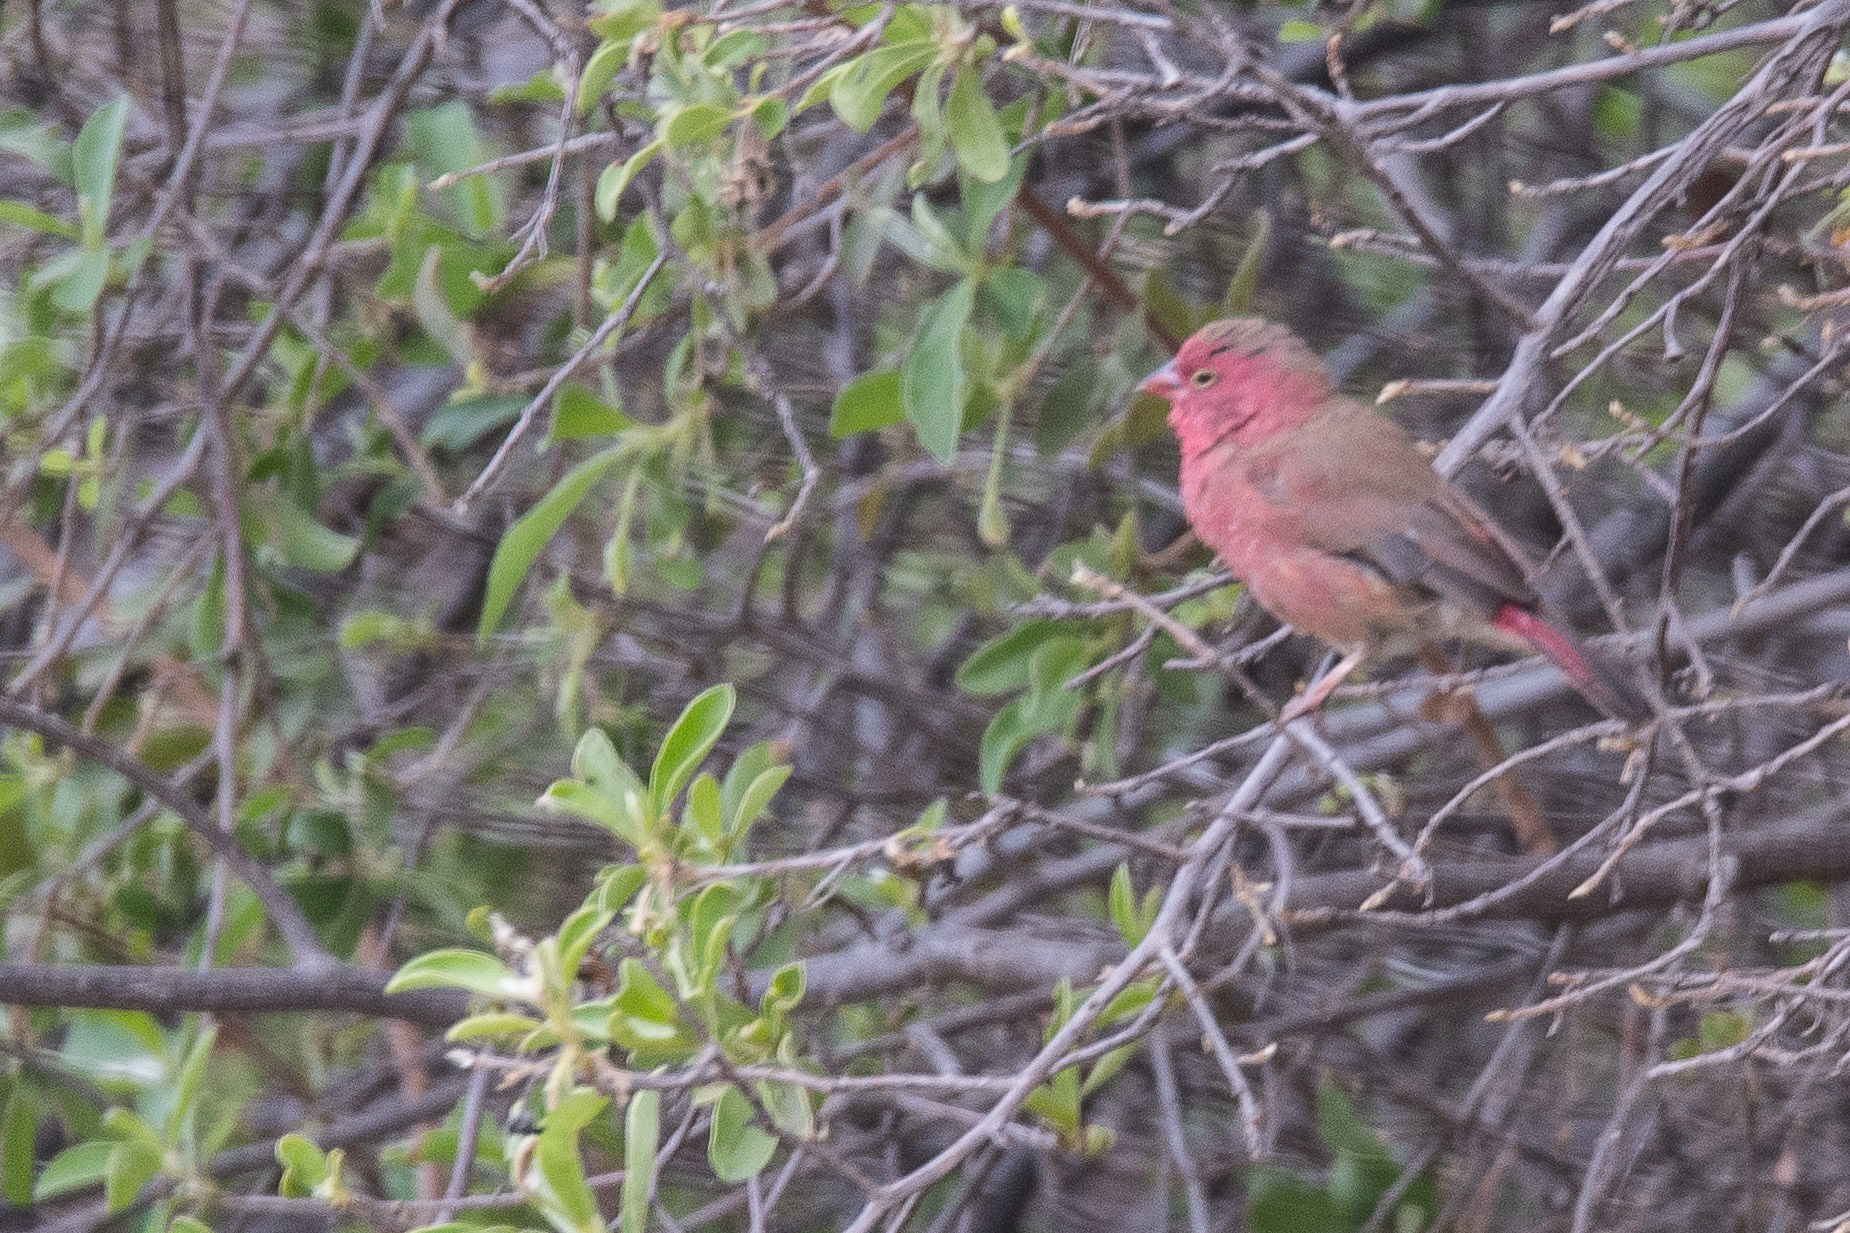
[[724, 415]]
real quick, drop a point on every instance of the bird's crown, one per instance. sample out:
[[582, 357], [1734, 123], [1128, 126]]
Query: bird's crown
[[1250, 337]]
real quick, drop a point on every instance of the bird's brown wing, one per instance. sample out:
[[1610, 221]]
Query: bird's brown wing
[[1351, 482]]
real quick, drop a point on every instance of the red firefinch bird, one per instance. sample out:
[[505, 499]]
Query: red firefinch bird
[[1338, 525]]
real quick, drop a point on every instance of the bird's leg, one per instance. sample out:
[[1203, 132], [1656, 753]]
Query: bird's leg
[[1533, 833], [1319, 693]]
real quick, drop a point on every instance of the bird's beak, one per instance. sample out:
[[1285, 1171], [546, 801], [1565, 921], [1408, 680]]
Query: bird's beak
[[1165, 382]]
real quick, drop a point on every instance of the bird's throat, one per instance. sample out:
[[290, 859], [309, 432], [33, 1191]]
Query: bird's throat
[[1247, 408]]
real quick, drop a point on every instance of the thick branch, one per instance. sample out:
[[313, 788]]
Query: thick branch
[[339, 990]]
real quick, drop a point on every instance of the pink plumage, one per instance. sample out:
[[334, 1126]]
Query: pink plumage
[[1337, 523]]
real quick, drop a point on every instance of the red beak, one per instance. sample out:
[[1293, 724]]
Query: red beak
[[1165, 382]]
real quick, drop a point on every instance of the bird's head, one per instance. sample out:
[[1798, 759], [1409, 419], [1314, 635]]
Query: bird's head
[[1242, 377]]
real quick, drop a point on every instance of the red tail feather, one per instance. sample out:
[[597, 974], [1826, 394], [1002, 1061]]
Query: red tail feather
[[1600, 681]]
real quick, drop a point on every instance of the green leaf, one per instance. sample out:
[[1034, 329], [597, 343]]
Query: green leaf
[[757, 798], [370, 627], [736, 1148], [752, 761], [1340, 1127], [78, 1167], [186, 1087], [1130, 1001], [870, 401], [1000, 665], [945, 252], [645, 1019], [76, 278], [1072, 405], [577, 933], [591, 1019], [824, 86], [462, 969], [94, 157], [641, 995], [976, 131], [1002, 740], [1122, 902], [577, 413], [432, 309], [605, 791], [928, 250], [542, 88], [580, 800], [617, 176], [298, 537], [771, 114], [694, 125], [462, 421], [703, 809], [789, 1106], [622, 20], [126, 1124], [983, 201], [690, 740], [18, 1132], [23, 215], [36, 141], [1723, 1029], [618, 884], [131, 1166], [1052, 665], [119, 1049], [933, 385], [785, 990], [1106, 1067], [491, 1024], [642, 1133], [992, 525], [1015, 296], [709, 926], [596, 761], [561, 1170], [928, 114], [1057, 1101], [619, 551], [304, 1166], [1617, 112], [1047, 707], [1277, 1202], [444, 140], [860, 93], [610, 56], [528, 537]]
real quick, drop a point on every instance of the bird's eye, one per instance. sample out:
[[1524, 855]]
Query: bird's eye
[[1202, 378]]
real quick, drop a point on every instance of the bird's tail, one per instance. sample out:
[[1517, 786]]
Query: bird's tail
[[1601, 681]]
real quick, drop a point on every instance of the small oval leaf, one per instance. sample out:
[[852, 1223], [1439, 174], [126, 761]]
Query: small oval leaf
[[933, 384], [690, 740], [976, 130], [460, 969]]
